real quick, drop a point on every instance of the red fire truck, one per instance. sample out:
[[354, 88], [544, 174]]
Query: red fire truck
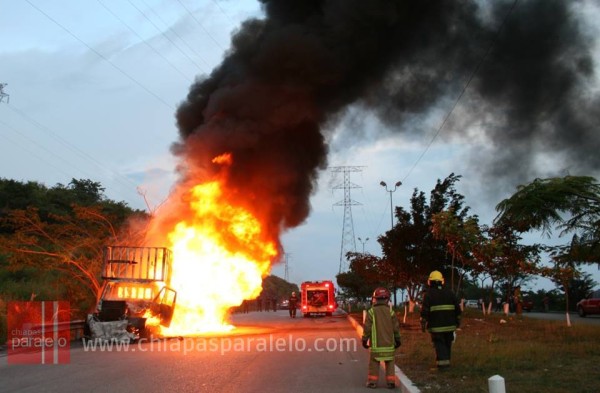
[[317, 297]]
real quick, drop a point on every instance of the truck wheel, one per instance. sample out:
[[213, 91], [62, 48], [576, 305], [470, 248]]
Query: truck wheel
[[328, 314], [581, 312]]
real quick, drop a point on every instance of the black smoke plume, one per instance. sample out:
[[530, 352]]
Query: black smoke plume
[[289, 76]]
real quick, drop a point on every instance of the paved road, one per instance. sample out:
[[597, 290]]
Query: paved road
[[558, 316], [269, 352]]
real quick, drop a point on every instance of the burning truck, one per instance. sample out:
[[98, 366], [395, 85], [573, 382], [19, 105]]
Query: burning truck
[[135, 298]]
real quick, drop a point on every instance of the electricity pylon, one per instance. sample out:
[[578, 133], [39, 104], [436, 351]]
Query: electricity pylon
[[3, 94], [348, 239]]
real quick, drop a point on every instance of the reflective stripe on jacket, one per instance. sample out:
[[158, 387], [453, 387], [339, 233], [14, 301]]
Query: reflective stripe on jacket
[[382, 327]]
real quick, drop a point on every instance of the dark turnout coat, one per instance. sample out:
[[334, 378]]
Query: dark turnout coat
[[292, 302], [441, 310]]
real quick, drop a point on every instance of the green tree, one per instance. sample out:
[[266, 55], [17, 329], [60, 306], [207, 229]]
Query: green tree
[[363, 276], [410, 247], [501, 256], [461, 236], [51, 232], [570, 204]]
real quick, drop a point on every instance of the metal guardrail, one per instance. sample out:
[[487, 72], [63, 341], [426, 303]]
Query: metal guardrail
[[76, 328]]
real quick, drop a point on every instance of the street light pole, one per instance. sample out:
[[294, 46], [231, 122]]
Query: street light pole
[[363, 243], [398, 184]]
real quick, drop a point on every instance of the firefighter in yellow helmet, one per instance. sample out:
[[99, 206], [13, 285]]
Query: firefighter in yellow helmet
[[440, 315], [382, 334]]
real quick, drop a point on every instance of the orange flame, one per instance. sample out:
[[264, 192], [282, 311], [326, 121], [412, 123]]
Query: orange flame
[[220, 257], [223, 159]]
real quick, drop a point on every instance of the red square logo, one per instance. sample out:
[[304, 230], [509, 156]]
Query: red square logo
[[38, 332]]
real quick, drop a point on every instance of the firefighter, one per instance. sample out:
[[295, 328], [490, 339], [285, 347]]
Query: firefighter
[[293, 304], [440, 315], [382, 334]]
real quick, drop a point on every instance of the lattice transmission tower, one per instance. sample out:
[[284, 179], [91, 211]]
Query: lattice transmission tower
[[348, 239], [4, 95], [286, 274]]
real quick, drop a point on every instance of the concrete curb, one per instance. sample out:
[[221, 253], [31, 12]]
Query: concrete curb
[[405, 384]]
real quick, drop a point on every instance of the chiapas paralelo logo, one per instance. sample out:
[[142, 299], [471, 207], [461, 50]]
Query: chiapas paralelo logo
[[38, 332]]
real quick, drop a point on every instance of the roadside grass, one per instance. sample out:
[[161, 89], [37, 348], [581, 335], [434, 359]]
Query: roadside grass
[[532, 355]]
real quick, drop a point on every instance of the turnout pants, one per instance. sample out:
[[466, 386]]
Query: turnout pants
[[390, 375], [442, 342]]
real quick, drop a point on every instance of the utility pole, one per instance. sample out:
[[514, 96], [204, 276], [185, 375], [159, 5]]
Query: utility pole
[[348, 239], [384, 185]]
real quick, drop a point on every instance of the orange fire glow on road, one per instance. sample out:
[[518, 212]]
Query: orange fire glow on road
[[220, 257]]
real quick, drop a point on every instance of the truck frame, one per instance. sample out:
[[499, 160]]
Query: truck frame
[[135, 289]]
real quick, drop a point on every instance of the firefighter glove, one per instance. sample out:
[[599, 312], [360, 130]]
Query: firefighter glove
[[397, 342], [365, 343]]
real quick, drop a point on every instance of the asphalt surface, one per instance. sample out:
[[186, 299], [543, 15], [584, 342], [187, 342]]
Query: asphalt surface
[[561, 316], [268, 352]]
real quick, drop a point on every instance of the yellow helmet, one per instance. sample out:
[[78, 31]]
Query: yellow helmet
[[436, 276]]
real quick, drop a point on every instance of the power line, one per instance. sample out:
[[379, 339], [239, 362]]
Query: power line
[[168, 38], [145, 41], [33, 142], [124, 181], [464, 89], [201, 25], [123, 72], [31, 153], [223, 11]]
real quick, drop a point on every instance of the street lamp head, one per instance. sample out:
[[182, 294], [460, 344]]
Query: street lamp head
[[398, 183], [382, 183]]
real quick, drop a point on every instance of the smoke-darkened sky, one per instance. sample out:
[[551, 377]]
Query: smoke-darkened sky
[[526, 68]]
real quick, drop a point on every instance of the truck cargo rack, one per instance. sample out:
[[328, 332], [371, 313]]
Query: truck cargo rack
[[137, 264]]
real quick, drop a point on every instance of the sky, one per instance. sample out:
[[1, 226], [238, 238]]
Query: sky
[[94, 86]]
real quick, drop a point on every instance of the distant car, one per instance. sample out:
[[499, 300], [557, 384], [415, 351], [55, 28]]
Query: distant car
[[589, 305], [471, 303], [284, 305]]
